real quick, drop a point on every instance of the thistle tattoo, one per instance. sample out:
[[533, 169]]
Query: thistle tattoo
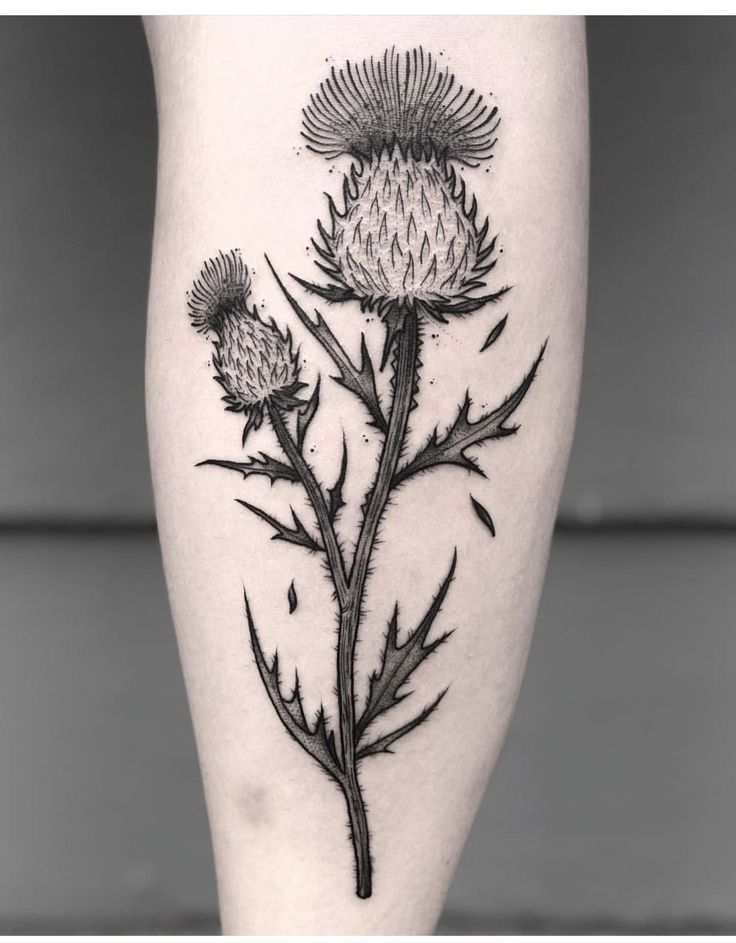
[[406, 243], [404, 240], [255, 363]]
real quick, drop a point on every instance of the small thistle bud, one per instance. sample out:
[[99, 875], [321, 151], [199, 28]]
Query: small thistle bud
[[255, 363], [405, 238]]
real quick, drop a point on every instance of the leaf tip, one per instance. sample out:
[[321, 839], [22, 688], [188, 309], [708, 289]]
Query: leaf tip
[[494, 333], [292, 598], [483, 516]]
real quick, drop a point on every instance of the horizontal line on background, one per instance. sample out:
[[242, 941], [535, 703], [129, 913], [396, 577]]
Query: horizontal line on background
[[686, 524], [451, 923], [72, 527], [457, 924], [634, 524]]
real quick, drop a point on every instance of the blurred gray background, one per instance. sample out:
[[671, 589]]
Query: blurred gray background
[[614, 803]]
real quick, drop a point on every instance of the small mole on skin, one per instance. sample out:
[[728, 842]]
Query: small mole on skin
[[254, 805]]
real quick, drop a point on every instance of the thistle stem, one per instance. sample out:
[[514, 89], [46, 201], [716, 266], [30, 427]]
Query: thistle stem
[[350, 589], [317, 500], [404, 379], [350, 614]]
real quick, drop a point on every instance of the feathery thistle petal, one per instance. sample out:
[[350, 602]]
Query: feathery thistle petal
[[399, 99], [223, 286]]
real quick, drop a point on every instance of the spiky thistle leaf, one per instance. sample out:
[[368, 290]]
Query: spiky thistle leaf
[[316, 739], [265, 465], [452, 447], [298, 534], [399, 661], [383, 744], [360, 381]]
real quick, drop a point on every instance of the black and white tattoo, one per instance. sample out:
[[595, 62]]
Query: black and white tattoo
[[407, 244]]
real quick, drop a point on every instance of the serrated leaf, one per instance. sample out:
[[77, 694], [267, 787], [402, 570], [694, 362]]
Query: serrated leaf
[[316, 739], [291, 596], [464, 433], [332, 293], [495, 333], [297, 534], [398, 662], [271, 468], [465, 305], [305, 415], [483, 516], [361, 381], [334, 494], [384, 744]]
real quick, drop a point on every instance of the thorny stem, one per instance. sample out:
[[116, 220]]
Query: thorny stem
[[404, 380], [350, 616], [348, 624], [317, 500], [350, 589]]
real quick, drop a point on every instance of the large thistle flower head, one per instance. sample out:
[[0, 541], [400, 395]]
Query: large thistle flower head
[[255, 362], [406, 237]]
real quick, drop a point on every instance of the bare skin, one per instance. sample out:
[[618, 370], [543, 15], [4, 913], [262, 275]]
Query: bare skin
[[335, 825]]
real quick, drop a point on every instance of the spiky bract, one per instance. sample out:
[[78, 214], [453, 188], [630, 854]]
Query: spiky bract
[[405, 240], [404, 99]]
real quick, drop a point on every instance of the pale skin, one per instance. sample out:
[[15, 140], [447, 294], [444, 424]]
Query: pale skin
[[235, 172]]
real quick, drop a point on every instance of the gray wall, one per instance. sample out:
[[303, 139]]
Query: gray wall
[[613, 801]]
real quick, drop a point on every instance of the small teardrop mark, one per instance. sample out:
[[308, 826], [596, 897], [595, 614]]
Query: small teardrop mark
[[483, 516], [291, 595], [495, 333]]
